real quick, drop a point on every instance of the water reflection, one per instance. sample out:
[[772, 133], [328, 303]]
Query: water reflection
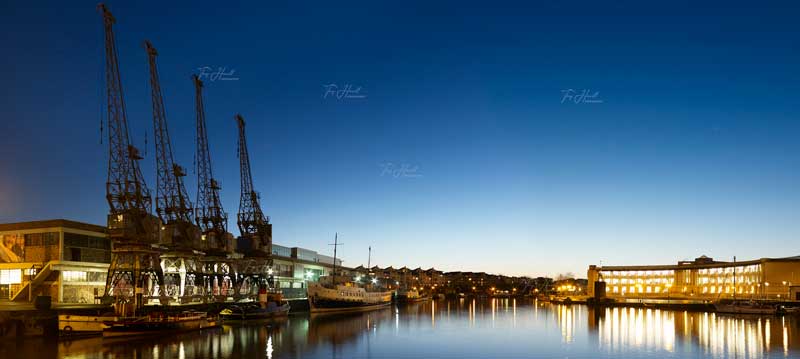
[[461, 328], [620, 329]]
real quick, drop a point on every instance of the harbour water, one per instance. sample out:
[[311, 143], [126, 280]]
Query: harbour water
[[461, 328]]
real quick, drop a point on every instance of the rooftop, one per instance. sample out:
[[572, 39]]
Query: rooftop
[[51, 223]]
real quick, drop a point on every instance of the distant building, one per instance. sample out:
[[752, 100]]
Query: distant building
[[703, 278], [392, 278], [570, 286]]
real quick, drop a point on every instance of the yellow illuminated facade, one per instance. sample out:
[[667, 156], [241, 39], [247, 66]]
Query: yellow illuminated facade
[[703, 278]]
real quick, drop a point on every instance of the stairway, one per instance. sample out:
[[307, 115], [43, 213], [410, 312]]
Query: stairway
[[29, 287]]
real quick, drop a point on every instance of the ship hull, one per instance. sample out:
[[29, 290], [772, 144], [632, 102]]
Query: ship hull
[[403, 299], [334, 306], [82, 325]]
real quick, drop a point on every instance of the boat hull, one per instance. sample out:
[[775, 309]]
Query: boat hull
[[331, 306], [82, 324], [412, 299], [281, 311], [139, 328], [737, 309]]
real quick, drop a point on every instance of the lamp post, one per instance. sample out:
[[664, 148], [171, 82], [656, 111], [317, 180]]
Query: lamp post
[[788, 286], [669, 285]]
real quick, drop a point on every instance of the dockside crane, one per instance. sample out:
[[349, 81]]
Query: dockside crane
[[209, 214], [256, 231], [183, 272], [134, 274]]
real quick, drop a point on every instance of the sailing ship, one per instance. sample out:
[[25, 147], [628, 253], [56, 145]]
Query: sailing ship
[[743, 307], [328, 295]]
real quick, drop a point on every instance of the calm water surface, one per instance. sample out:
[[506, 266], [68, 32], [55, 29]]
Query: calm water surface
[[499, 328]]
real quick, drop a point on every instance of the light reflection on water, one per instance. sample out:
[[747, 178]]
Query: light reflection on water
[[461, 328]]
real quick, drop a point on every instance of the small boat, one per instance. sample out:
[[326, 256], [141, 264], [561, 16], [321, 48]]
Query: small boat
[[156, 324], [255, 311], [410, 296], [270, 305], [789, 310], [740, 307]]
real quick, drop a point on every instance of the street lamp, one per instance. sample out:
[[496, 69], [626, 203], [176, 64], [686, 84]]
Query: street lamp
[[668, 285]]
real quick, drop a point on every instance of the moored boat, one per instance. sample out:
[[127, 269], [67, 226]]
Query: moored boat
[[73, 325], [270, 305], [344, 298], [255, 311], [739, 307], [156, 324], [330, 296], [411, 296], [743, 307]]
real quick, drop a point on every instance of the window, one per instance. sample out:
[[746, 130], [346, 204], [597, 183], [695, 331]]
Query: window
[[74, 276], [10, 276], [33, 240], [80, 240]]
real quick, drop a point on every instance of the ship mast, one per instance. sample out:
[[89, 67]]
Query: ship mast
[[335, 244]]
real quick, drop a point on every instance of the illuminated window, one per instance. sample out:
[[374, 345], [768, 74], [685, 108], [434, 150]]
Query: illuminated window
[[10, 276], [74, 276]]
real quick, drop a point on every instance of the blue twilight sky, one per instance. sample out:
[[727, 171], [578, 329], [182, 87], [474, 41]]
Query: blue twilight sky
[[693, 150]]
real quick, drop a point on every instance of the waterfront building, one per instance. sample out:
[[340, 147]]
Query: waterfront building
[[69, 261], [294, 266], [65, 260], [703, 278]]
